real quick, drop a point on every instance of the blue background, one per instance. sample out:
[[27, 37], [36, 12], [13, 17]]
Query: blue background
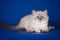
[[11, 11]]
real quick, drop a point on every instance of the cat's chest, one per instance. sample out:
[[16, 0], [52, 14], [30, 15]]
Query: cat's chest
[[38, 24]]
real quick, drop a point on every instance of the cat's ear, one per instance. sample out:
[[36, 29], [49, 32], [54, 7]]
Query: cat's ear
[[45, 11], [33, 12]]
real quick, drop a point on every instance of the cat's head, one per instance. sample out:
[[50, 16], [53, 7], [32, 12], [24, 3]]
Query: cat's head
[[40, 15]]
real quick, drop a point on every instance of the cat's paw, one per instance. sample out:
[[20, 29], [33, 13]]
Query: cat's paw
[[29, 31], [44, 31]]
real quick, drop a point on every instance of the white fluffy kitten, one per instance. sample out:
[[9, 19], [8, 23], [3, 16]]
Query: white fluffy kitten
[[37, 21]]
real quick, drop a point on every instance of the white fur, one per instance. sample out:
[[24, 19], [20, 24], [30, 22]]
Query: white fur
[[31, 23]]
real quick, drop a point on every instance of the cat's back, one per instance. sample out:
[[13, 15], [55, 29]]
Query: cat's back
[[25, 20], [27, 17]]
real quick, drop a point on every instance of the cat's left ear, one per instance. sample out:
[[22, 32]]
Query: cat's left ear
[[33, 11], [45, 11]]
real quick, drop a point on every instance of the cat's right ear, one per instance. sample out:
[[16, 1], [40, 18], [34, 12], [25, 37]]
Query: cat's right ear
[[33, 12]]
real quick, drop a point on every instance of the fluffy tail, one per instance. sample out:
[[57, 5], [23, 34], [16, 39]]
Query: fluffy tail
[[6, 26]]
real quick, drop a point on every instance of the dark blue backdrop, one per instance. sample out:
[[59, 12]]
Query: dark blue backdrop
[[11, 11]]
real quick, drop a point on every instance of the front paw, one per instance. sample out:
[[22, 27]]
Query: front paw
[[44, 31], [29, 31]]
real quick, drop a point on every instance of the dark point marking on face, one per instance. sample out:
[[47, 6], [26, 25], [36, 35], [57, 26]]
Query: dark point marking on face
[[40, 18]]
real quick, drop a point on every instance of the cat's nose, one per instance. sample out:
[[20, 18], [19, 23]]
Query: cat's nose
[[40, 18]]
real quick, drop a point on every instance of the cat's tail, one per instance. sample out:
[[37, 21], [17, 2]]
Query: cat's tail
[[4, 25]]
